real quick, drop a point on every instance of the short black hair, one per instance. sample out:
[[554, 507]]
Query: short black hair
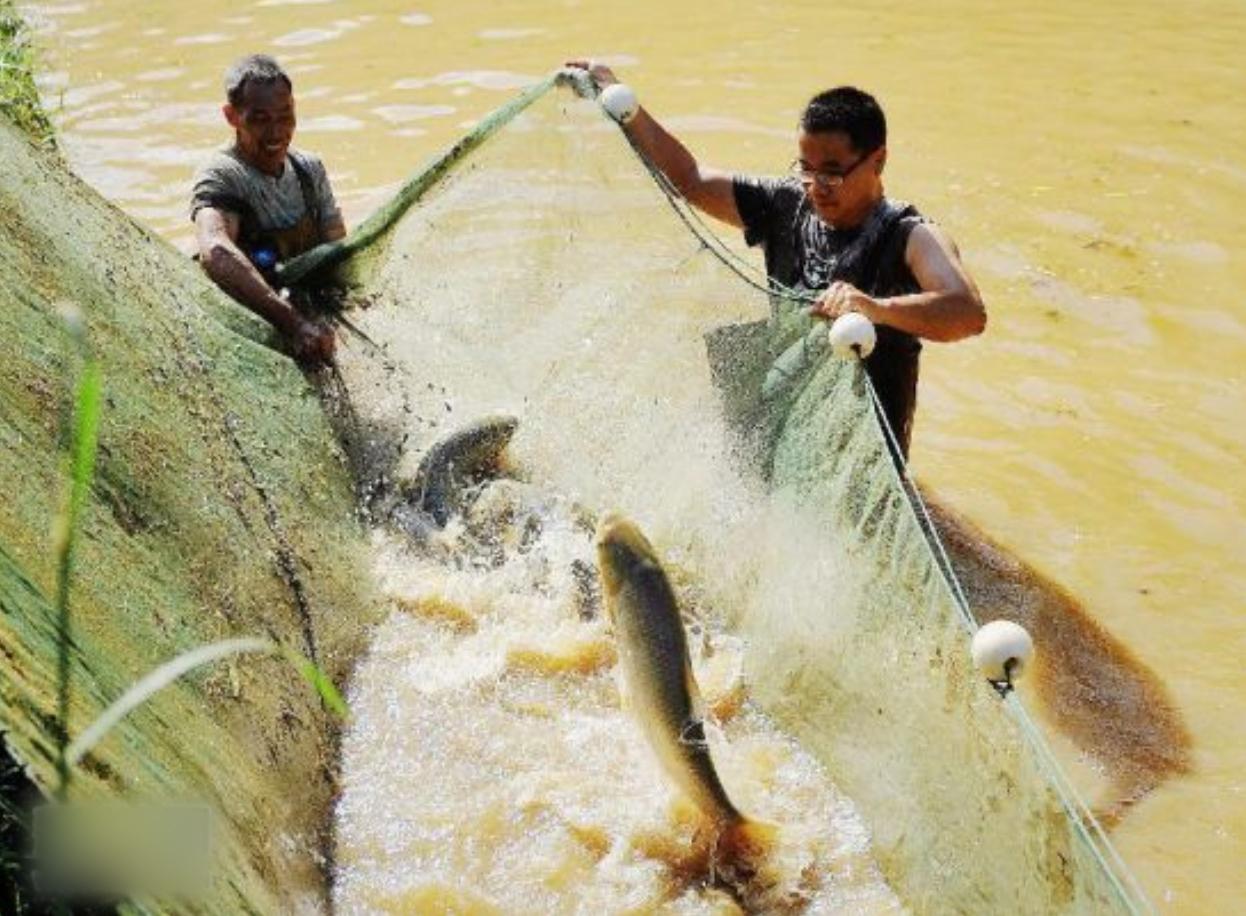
[[846, 109], [254, 68]]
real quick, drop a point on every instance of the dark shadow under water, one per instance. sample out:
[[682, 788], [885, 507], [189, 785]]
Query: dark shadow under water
[[1089, 684]]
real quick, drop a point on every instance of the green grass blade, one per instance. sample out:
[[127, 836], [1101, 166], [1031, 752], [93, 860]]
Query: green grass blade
[[170, 671], [81, 470], [318, 680]]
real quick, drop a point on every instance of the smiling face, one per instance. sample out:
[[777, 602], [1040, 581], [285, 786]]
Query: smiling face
[[828, 156], [263, 121]]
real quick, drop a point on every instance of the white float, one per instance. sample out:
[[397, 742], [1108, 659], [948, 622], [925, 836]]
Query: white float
[[852, 332], [1002, 649], [620, 102]]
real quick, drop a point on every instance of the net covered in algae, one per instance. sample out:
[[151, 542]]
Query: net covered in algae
[[221, 506]]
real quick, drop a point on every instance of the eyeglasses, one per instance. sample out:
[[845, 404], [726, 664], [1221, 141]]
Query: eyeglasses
[[825, 180]]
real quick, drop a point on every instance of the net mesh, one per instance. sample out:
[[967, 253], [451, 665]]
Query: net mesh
[[546, 273]]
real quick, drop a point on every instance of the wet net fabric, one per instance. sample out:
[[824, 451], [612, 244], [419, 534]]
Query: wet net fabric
[[547, 273]]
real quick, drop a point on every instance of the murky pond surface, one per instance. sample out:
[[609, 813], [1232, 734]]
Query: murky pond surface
[[1087, 160]]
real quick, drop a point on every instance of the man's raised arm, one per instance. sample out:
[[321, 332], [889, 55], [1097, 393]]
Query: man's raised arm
[[709, 190]]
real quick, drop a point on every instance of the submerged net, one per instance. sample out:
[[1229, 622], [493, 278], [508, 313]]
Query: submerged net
[[548, 273]]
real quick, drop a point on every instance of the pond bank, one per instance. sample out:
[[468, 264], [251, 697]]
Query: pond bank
[[221, 507]]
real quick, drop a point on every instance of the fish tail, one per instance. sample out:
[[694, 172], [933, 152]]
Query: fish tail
[[743, 847]]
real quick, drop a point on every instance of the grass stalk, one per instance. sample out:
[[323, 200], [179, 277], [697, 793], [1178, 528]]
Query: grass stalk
[[19, 99], [82, 450]]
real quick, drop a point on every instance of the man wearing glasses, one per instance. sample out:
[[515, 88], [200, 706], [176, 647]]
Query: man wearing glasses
[[828, 229]]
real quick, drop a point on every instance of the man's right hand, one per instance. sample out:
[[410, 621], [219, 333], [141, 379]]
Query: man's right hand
[[602, 75], [313, 343]]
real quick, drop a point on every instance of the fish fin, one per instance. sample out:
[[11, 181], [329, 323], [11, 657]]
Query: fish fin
[[692, 734], [1124, 793]]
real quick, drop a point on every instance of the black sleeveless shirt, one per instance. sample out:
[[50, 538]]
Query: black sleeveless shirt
[[802, 253]]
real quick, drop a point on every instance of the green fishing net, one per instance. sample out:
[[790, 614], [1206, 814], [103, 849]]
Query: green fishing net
[[220, 507], [541, 268]]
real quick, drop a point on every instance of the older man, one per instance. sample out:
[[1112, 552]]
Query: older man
[[258, 201], [828, 229]]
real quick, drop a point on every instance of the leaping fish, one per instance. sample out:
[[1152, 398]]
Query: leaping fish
[[663, 694], [446, 470]]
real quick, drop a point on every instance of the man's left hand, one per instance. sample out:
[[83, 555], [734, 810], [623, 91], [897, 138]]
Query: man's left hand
[[840, 298]]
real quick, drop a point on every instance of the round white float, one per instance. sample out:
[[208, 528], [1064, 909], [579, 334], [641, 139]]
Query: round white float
[[852, 332], [620, 102], [999, 643]]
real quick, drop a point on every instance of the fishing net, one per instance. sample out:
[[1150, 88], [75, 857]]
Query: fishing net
[[541, 268], [219, 507]]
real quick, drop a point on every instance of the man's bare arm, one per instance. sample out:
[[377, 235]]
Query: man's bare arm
[[709, 190], [948, 308], [216, 232]]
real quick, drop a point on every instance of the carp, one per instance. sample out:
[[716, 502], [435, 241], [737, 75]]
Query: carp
[[661, 690]]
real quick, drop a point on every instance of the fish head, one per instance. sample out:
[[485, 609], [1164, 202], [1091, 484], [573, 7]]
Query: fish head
[[624, 554], [495, 429]]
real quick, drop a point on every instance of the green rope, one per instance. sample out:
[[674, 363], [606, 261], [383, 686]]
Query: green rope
[[330, 254]]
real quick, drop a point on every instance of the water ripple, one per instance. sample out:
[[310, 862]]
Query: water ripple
[[481, 79], [304, 37], [402, 114], [209, 38]]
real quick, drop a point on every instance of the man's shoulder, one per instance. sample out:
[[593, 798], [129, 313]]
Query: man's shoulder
[[308, 161], [766, 204], [219, 160], [220, 169], [907, 213], [220, 183], [896, 217], [909, 222], [306, 156], [785, 188]]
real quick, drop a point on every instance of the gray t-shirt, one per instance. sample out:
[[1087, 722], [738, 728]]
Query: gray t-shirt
[[227, 182]]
